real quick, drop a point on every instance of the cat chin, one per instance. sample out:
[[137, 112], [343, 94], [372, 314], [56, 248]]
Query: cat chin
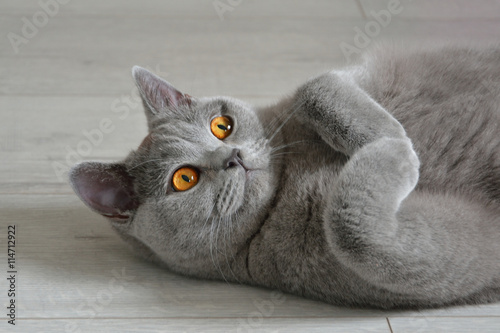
[[247, 186], [258, 186], [232, 194]]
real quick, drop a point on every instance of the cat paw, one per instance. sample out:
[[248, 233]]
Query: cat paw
[[401, 163]]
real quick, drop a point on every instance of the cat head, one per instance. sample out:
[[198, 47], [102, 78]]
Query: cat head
[[197, 186]]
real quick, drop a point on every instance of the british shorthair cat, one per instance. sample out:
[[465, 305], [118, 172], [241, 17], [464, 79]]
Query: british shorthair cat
[[377, 185]]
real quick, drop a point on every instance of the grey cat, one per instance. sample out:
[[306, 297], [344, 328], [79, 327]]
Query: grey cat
[[373, 186]]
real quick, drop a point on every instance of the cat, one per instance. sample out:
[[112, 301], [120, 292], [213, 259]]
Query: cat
[[375, 185]]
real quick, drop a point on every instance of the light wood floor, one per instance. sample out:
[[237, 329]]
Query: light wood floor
[[60, 79]]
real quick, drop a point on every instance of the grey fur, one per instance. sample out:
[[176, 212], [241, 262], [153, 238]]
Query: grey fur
[[341, 206]]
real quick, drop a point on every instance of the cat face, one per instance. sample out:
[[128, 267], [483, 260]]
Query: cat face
[[197, 185]]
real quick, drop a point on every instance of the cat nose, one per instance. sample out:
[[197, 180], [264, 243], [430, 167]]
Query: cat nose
[[234, 160]]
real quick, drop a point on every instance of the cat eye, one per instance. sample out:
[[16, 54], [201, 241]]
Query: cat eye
[[185, 178], [221, 127]]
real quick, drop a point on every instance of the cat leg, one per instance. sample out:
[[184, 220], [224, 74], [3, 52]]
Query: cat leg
[[424, 245], [344, 115], [361, 213], [436, 248]]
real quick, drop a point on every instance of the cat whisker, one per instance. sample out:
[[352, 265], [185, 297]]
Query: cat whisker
[[213, 245], [218, 251], [274, 123], [238, 219], [229, 228], [148, 161], [270, 126], [227, 244], [274, 149], [208, 218], [284, 153], [276, 120], [286, 120]]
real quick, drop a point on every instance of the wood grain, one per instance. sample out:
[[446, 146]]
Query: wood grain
[[197, 325]]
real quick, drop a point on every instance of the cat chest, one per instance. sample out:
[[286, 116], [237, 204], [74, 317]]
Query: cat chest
[[291, 242], [291, 252]]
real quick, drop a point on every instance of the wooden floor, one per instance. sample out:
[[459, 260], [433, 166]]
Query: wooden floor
[[65, 68]]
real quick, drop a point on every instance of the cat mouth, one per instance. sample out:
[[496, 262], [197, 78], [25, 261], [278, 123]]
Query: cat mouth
[[249, 171], [247, 166], [238, 159], [238, 162]]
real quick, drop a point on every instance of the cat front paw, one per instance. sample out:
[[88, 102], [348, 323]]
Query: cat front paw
[[401, 164]]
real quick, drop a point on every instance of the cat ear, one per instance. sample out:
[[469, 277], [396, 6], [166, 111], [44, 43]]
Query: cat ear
[[106, 188], [158, 94]]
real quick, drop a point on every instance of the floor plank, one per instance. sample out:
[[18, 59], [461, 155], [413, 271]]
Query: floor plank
[[52, 62], [240, 325], [445, 10], [143, 36], [442, 324], [473, 310], [195, 8]]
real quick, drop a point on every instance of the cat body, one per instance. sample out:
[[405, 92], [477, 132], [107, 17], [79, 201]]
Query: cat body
[[377, 185]]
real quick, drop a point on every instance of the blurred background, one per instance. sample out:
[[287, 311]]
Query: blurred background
[[66, 95]]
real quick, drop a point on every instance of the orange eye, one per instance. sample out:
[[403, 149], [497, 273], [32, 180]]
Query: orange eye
[[221, 127], [184, 179]]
